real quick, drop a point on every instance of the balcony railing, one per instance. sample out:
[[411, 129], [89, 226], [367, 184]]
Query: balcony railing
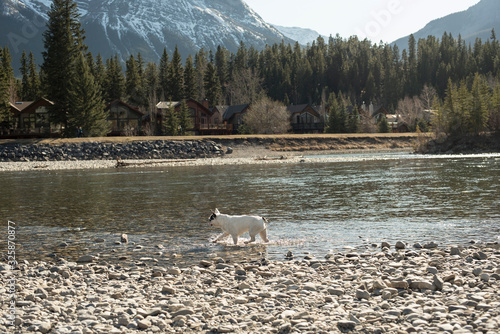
[[228, 127]]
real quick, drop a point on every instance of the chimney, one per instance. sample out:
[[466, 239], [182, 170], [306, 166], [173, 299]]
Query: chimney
[[205, 103]]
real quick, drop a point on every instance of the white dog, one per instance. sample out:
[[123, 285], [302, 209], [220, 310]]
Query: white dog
[[235, 226]]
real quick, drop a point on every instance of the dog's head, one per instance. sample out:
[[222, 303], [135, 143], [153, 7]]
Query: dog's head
[[213, 218]]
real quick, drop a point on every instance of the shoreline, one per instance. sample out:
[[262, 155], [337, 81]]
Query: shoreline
[[246, 157], [398, 288], [91, 153]]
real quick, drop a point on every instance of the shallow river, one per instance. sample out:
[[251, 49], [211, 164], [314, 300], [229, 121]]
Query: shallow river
[[314, 207]]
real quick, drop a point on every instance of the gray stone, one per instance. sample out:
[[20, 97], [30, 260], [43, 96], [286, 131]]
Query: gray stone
[[174, 271], [432, 270], [183, 311], [86, 258], [480, 256], [477, 271], [346, 325], [400, 245], [438, 283], [385, 244], [421, 285], [144, 324], [45, 327], [400, 284], [362, 294], [431, 245]]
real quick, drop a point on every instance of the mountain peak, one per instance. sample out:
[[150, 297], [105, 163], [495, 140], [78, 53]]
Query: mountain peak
[[146, 26]]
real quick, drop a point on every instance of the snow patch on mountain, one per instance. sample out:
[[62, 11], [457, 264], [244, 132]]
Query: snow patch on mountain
[[302, 35]]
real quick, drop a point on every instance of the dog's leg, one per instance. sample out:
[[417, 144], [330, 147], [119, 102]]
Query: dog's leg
[[263, 235], [220, 237], [252, 239], [235, 239]]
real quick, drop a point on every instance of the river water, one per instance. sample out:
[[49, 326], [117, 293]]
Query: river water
[[354, 201]]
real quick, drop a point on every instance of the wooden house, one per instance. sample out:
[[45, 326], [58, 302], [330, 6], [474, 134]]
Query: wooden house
[[233, 115], [305, 119], [31, 119], [205, 120], [124, 119]]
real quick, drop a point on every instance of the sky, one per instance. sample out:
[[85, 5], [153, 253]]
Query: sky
[[377, 20]]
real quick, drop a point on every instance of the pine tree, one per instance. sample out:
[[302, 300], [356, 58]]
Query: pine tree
[[87, 108], [383, 125], [151, 85], [221, 63], [342, 113], [200, 65], [25, 77], [333, 114], [164, 90], [176, 76], [34, 91], [494, 119], [480, 100], [172, 121], [185, 121], [30, 82], [99, 73], [353, 121], [133, 83], [212, 85], [5, 114], [114, 82], [190, 91], [63, 42]]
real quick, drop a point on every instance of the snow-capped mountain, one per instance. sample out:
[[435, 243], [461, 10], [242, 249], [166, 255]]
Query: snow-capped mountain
[[302, 35], [146, 26]]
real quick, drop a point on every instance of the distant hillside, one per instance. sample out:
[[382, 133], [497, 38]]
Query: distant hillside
[[477, 21], [302, 35]]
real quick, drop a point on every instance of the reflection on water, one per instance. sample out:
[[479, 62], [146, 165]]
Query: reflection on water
[[313, 207]]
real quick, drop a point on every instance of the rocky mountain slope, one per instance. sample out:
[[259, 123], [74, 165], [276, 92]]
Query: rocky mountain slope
[[477, 21], [146, 26]]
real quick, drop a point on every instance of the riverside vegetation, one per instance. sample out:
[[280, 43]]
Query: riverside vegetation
[[395, 289]]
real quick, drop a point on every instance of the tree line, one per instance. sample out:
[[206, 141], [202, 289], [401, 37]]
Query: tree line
[[335, 74]]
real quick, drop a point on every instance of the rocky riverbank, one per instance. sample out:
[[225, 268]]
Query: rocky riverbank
[[462, 145], [78, 151], [397, 289]]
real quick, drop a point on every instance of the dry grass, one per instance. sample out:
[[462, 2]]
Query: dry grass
[[123, 139]]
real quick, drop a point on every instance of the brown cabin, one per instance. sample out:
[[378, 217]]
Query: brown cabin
[[30, 119], [233, 115], [124, 118], [205, 121], [305, 119]]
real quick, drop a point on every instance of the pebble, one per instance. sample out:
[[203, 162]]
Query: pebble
[[426, 290]]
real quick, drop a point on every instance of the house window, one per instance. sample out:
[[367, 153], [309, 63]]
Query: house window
[[298, 119]]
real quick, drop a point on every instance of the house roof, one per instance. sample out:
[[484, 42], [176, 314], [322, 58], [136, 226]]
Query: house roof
[[230, 111], [31, 106], [135, 109], [295, 108], [166, 104], [20, 106], [299, 108]]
